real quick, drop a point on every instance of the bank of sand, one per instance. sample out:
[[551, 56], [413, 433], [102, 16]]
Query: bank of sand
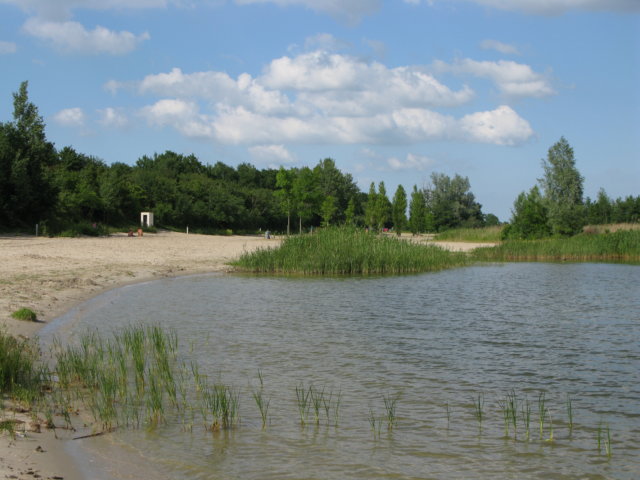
[[51, 275]]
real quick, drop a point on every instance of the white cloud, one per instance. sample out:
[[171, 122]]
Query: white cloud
[[350, 11], [504, 48], [183, 116], [70, 117], [501, 126], [7, 48], [411, 162], [113, 117], [72, 37], [271, 153], [513, 79], [346, 85], [321, 98]]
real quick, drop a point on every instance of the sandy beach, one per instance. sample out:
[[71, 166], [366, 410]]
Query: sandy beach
[[51, 275]]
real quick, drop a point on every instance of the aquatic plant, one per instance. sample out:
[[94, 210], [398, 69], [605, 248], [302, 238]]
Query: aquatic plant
[[302, 402], [617, 246], [263, 406], [348, 251], [542, 412], [390, 404], [526, 417], [478, 408], [569, 405]]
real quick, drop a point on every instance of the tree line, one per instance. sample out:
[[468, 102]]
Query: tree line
[[68, 191], [556, 206]]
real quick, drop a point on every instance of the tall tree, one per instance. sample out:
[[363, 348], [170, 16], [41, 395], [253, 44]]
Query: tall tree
[[383, 207], [562, 184], [417, 211], [25, 160], [399, 210], [370, 211], [284, 185]]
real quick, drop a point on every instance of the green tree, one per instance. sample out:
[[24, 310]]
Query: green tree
[[328, 210], [562, 184], [350, 213], [284, 192], [529, 218], [305, 195], [417, 211], [370, 211], [382, 206], [26, 157], [399, 210], [451, 203]]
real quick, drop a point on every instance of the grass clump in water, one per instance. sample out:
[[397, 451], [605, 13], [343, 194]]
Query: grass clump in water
[[348, 251]]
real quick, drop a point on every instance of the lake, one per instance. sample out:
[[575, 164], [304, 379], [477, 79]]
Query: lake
[[435, 344]]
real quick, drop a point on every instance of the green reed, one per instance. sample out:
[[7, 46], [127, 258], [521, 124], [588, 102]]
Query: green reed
[[303, 402], [607, 443], [509, 407], [542, 412], [390, 406], [526, 417], [375, 423], [348, 251], [478, 408], [263, 406], [617, 246], [569, 405]]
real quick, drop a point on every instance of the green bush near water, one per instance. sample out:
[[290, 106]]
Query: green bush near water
[[347, 251], [618, 246], [25, 314]]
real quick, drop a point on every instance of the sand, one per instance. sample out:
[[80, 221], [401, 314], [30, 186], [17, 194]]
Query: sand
[[51, 275]]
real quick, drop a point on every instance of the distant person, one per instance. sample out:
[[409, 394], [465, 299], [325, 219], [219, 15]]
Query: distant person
[[140, 231], [267, 234], [130, 234]]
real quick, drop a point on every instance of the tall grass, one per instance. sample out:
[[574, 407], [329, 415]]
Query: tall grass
[[479, 235], [618, 246], [347, 251], [21, 373]]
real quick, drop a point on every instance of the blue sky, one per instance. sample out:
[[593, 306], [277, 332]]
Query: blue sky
[[391, 90]]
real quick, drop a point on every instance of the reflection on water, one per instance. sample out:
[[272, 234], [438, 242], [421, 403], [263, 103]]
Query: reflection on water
[[436, 340]]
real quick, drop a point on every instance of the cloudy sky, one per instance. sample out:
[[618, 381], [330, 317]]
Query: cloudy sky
[[392, 90]]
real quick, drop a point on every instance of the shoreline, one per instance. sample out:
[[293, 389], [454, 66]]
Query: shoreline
[[54, 275]]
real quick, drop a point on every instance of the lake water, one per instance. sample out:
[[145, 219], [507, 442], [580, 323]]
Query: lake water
[[436, 342]]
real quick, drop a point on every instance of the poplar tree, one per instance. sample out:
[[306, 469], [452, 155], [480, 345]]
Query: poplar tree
[[562, 184], [399, 210]]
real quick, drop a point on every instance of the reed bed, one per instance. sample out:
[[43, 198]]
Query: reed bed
[[348, 251], [476, 235], [622, 245]]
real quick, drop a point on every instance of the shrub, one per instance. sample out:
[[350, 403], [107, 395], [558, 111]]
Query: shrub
[[25, 314]]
